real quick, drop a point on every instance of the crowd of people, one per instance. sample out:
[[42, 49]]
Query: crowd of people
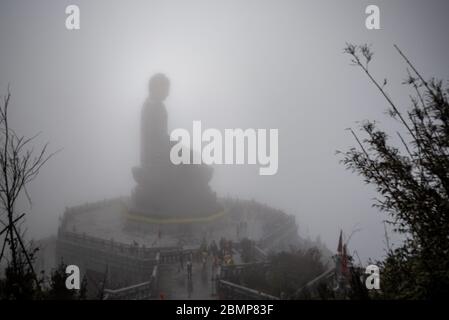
[[217, 254]]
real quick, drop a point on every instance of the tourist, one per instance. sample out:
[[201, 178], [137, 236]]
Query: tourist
[[214, 265], [204, 260], [181, 260], [189, 269], [213, 248], [222, 247], [203, 246]]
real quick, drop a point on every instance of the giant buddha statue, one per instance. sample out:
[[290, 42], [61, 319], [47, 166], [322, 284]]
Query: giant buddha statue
[[165, 190]]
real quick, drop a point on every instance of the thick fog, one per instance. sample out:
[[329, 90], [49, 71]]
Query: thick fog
[[232, 64]]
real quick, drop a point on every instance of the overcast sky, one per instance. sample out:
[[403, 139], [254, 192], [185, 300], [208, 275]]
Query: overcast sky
[[232, 64]]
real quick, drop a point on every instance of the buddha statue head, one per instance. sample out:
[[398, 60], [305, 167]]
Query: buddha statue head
[[159, 87]]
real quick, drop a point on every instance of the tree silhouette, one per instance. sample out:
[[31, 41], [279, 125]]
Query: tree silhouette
[[412, 180], [19, 165]]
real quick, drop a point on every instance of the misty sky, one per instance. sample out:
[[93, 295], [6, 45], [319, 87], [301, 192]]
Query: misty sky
[[232, 64]]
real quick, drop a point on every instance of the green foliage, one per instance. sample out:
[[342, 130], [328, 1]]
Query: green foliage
[[247, 250], [412, 180], [357, 288], [19, 283], [57, 289], [22, 284], [287, 272], [292, 270]]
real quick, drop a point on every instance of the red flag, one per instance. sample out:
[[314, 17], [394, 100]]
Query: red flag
[[340, 243], [344, 262]]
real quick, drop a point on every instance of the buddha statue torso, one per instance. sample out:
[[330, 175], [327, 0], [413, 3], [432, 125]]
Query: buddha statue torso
[[154, 137]]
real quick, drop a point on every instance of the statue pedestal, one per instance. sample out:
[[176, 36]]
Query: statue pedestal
[[180, 225], [173, 192], [165, 190]]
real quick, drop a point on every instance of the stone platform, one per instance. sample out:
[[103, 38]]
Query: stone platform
[[111, 244]]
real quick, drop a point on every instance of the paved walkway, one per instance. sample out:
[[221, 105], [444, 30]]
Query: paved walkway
[[174, 285]]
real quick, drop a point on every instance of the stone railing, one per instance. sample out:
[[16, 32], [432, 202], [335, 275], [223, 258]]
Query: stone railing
[[172, 255], [141, 291], [89, 206], [228, 290], [233, 272], [71, 211], [313, 284], [75, 247], [110, 246], [284, 231], [259, 254], [121, 262]]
